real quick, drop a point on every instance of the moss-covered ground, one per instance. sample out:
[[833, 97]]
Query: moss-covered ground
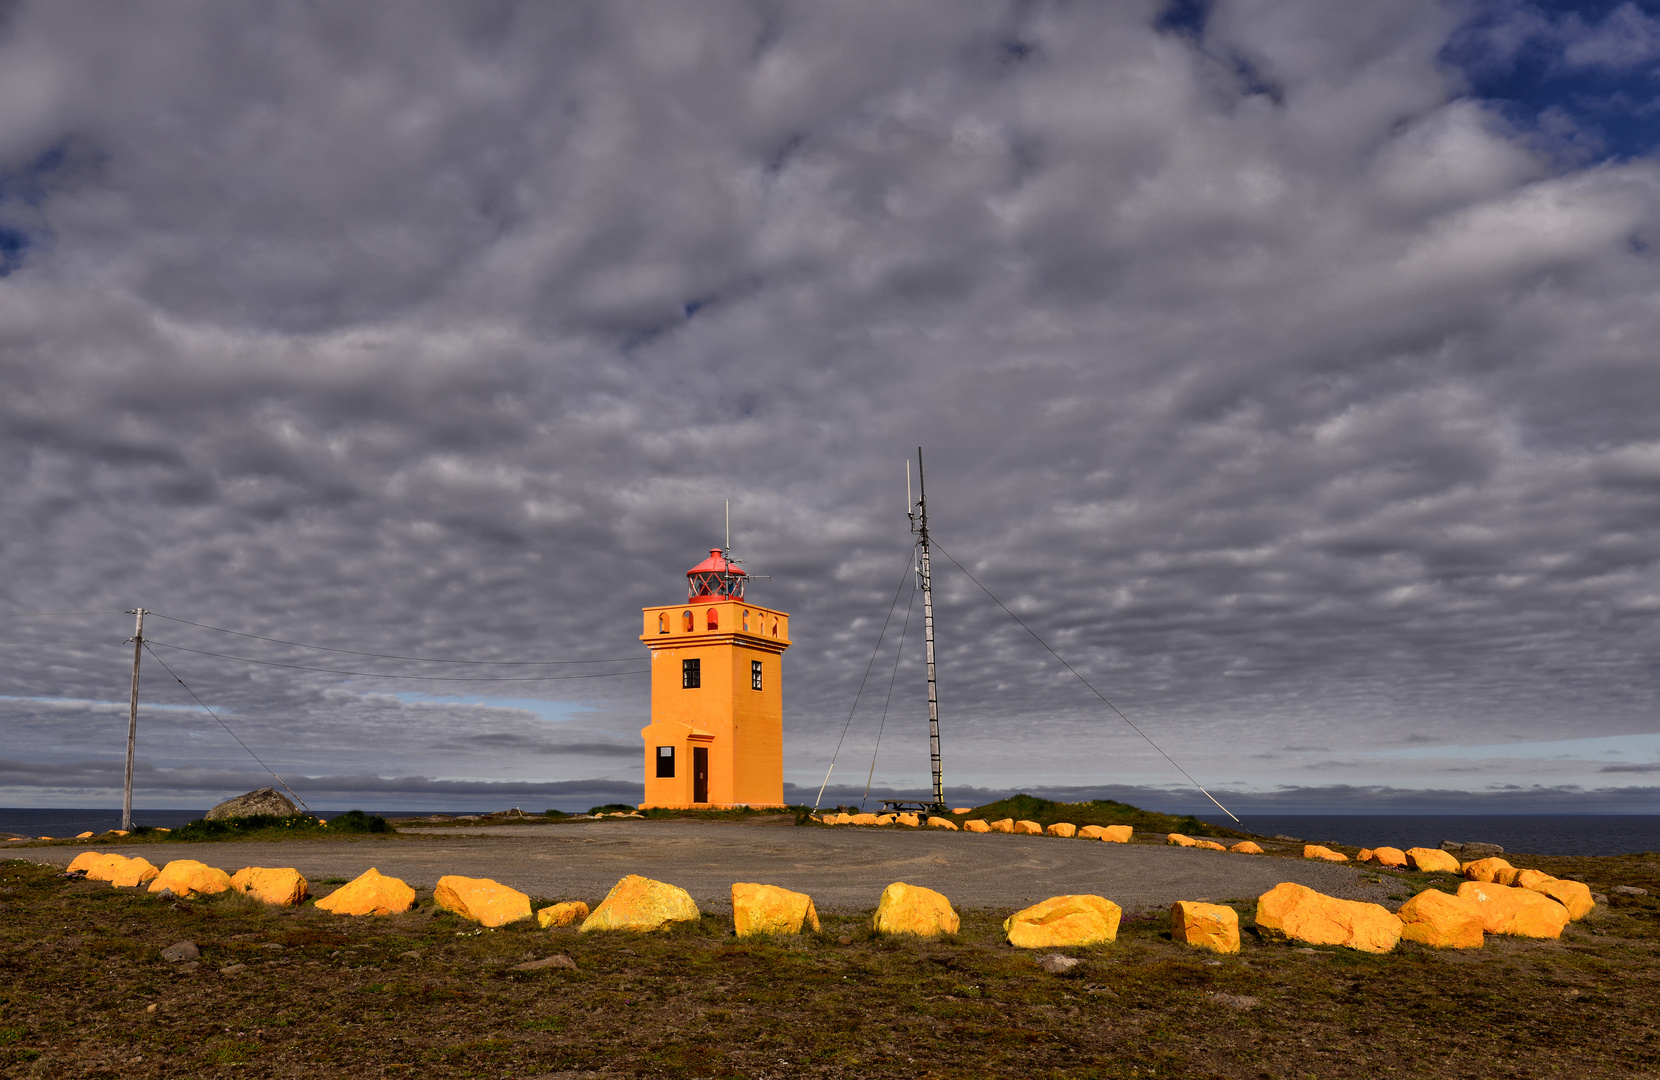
[[84, 991]]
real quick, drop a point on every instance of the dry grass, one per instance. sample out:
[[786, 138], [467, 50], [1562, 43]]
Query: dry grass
[[322, 995]]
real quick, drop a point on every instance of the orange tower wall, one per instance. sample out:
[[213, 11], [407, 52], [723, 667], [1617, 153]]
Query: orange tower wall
[[741, 728]]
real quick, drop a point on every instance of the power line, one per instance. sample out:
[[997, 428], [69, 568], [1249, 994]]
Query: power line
[[384, 675], [893, 678], [394, 656], [224, 725], [55, 614], [1086, 682], [74, 641]]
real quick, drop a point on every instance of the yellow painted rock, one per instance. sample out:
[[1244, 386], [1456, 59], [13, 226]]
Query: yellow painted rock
[[911, 909], [1432, 860], [942, 823], [641, 904], [1208, 845], [103, 867], [910, 820], [1180, 840], [118, 832], [137, 871], [767, 909], [962, 809], [1525, 879], [1247, 847], [1117, 834], [285, 886], [886, 819], [1064, 921], [1001, 825], [1315, 851], [863, 819], [1061, 828], [1573, 895], [370, 893], [1090, 832], [1364, 855], [1485, 869], [83, 836], [976, 825], [1387, 856], [1028, 828], [83, 862], [561, 914], [1209, 926], [1442, 920], [1297, 912], [486, 902], [1518, 912], [187, 876]]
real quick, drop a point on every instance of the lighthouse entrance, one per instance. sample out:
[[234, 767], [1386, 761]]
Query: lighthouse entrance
[[700, 774]]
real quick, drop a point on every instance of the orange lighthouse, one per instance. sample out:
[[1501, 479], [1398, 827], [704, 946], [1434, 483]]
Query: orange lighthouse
[[716, 737]]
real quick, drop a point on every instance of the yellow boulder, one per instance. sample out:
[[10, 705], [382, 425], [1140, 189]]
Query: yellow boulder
[[1028, 828], [1090, 832], [1518, 912], [1247, 847], [118, 832], [187, 876], [1004, 825], [1208, 845], [942, 823], [84, 836], [1486, 869], [886, 819], [1297, 912], [137, 871], [1064, 921], [1363, 855], [1061, 828], [641, 904], [1442, 920], [486, 902], [976, 825], [1432, 860], [561, 914], [1117, 834], [370, 893], [102, 867], [767, 909], [82, 862], [284, 887], [1180, 840], [911, 909], [1521, 879], [1573, 895], [863, 819], [910, 820], [1209, 926], [1385, 856], [1315, 851]]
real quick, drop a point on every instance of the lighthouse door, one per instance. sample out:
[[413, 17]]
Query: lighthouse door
[[700, 774]]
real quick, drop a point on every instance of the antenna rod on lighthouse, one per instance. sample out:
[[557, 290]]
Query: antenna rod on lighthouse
[[928, 631]]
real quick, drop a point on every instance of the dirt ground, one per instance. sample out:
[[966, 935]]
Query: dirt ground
[[843, 869]]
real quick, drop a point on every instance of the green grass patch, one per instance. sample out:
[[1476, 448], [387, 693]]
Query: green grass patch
[[1098, 812]]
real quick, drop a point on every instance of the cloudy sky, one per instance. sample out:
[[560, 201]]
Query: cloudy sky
[[1288, 366]]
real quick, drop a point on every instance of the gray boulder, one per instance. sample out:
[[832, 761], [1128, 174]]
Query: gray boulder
[[182, 950], [264, 801], [1471, 850]]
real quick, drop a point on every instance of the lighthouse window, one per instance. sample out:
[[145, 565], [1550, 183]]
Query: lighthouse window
[[665, 763], [691, 674], [713, 619], [663, 623], [746, 620], [686, 621], [755, 674]]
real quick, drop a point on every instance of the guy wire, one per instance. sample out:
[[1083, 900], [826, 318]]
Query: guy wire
[[906, 625]]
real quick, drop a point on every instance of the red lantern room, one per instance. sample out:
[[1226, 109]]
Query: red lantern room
[[716, 577]]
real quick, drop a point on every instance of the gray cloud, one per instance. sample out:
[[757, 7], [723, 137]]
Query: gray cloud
[[1286, 390]]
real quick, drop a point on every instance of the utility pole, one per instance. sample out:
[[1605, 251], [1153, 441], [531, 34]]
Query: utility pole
[[132, 721]]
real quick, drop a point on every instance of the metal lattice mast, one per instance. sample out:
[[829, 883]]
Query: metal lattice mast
[[920, 523]]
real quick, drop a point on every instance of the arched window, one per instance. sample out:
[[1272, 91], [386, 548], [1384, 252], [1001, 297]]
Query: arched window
[[775, 628], [713, 619], [746, 620], [686, 621], [663, 623]]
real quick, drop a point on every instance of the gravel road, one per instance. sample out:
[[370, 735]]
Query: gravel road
[[843, 869]]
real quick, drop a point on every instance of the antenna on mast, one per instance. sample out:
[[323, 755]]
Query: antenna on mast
[[727, 550], [917, 512]]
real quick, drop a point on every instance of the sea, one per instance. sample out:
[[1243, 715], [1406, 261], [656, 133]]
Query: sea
[[1533, 834]]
